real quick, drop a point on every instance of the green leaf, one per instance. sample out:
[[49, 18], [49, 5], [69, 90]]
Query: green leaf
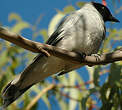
[[3, 58], [19, 26], [96, 75], [83, 103], [43, 32], [115, 74], [80, 4], [14, 16], [68, 9]]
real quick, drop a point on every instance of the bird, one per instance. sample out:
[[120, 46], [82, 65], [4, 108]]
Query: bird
[[82, 31]]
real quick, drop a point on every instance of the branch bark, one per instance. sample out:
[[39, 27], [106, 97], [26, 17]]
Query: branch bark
[[63, 54]]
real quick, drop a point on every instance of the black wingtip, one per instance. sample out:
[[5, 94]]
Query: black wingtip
[[11, 93], [7, 102]]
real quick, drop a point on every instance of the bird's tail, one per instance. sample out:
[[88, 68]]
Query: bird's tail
[[20, 84], [11, 93], [39, 69]]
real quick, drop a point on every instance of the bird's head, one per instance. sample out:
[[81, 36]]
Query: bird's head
[[105, 12]]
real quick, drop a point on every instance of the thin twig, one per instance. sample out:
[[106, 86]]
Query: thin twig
[[74, 86], [34, 101], [67, 96]]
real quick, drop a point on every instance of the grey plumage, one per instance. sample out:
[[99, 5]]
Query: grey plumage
[[81, 31]]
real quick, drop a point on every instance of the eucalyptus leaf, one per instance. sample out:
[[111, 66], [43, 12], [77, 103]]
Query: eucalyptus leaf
[[115, 74], [14, 16], [80, 4], [68, 9], [96, 75], [44, 33], [17, 28]]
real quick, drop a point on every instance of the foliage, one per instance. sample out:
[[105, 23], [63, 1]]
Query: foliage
[[82, 94]]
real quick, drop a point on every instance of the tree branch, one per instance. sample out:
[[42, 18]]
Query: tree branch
[[63, 54]]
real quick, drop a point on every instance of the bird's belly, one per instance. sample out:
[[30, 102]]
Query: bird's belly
[[90, 46], [90, 42]]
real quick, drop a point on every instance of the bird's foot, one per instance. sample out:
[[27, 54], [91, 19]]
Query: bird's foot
[[97, 56], [43, 51]]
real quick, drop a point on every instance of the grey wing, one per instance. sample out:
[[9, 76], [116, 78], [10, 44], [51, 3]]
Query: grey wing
[[54, 38], [63, 29]]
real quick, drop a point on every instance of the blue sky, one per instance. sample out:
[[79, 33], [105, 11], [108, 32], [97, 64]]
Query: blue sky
[[30, 10]]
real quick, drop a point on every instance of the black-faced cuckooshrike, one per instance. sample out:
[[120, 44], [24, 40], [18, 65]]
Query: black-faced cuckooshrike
[[82, 31]]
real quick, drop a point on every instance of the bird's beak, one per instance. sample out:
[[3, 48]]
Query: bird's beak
[[112, 18]]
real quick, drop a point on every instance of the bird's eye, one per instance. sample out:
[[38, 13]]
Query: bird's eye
[[103, 8]]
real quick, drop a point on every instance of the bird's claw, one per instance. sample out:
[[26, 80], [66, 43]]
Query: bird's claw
[[97, 56], [43, 51]]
